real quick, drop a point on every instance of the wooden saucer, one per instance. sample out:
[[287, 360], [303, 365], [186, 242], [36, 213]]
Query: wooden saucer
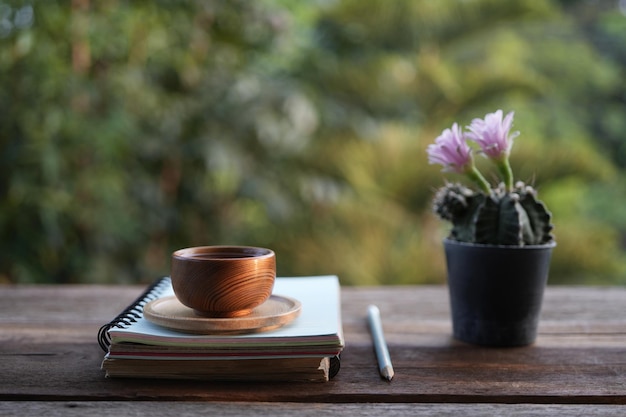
[[168, 312]]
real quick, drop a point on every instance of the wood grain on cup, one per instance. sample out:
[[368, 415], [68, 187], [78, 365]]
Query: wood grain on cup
[[223, 281]]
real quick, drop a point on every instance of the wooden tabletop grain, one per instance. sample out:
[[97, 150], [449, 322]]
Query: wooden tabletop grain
[[50, 361]]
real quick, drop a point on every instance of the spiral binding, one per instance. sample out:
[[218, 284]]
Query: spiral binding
[[133, 312]]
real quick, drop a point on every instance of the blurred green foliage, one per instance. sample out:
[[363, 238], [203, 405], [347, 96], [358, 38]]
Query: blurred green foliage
[[131, 129]]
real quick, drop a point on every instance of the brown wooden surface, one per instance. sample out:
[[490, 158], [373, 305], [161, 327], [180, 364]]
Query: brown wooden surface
[[49, 352], [274, 409]]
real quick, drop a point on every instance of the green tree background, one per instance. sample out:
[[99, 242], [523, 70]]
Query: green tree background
[[131, 129]]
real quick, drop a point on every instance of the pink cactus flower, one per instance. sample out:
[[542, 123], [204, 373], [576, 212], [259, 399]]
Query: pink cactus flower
[[451, 150], [492, 134]]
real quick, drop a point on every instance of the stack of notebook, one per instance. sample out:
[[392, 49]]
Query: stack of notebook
[[306, 348]]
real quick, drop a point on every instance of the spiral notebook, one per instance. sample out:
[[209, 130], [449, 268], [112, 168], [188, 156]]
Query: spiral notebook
[[307, 348]]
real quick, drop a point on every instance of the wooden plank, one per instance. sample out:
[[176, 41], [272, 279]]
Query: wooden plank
[[452, 374], [566, 309], [579, 358], [226, 409]]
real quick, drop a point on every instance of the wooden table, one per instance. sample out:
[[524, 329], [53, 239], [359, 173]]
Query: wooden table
[[50, 361]]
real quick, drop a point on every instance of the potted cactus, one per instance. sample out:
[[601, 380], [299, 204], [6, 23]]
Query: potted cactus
[[499, 247]]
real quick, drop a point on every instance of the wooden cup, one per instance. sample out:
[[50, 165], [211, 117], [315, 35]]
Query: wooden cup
[[223, 281]]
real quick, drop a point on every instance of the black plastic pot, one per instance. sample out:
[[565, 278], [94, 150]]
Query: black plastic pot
[[496, 292]]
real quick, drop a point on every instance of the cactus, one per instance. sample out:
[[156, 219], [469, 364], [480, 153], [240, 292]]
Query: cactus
[[514, 218], [509, 214]]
